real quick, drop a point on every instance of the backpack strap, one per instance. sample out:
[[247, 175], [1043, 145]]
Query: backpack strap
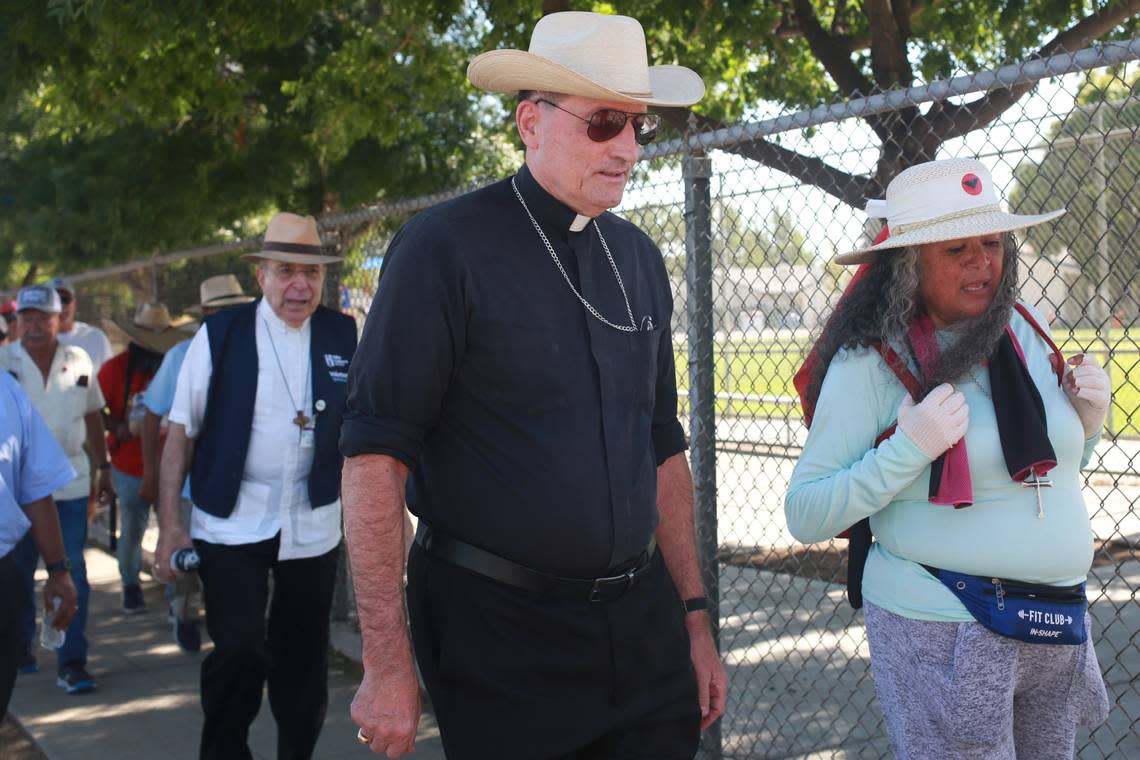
[[859, 536], [1057, 359]]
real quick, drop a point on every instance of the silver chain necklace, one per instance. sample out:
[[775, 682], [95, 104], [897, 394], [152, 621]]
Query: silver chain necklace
[[978, 382], [632, 326], [301, 420]]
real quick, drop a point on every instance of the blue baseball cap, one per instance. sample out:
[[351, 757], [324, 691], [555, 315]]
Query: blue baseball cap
[[38, 297]]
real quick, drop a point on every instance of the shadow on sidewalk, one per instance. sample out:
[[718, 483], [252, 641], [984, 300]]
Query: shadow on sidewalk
[[147, 705]]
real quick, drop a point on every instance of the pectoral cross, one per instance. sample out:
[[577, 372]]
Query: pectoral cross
[[302, 422], [1038, 483]]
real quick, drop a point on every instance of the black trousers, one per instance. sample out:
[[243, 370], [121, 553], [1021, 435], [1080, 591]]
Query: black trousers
[[517, 676], [11, 638], [288, 647]]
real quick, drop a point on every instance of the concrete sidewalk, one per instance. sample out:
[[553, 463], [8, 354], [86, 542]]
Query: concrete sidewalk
[[147, 702]]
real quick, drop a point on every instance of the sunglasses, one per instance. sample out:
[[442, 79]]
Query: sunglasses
[[65, 298], [608, 123]]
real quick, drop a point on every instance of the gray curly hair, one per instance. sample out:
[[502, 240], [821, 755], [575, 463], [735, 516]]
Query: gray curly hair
[[883, 305]]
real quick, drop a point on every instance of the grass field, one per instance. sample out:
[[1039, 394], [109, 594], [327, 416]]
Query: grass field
[[754, 375]]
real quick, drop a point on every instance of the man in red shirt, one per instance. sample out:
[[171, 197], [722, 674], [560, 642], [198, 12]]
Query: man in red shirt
[[122, 378]]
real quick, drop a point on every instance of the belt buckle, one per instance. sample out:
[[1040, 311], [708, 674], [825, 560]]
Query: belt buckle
[[623, 582]]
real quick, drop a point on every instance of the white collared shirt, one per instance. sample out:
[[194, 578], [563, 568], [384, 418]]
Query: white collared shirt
[[274, 489], [70, 392]]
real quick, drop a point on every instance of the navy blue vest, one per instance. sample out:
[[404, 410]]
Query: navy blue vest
[[223, 440]]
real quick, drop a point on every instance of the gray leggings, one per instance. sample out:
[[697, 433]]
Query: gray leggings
[[958, 691]]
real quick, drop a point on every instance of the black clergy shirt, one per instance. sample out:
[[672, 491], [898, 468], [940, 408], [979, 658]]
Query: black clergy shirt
[[530, 428]]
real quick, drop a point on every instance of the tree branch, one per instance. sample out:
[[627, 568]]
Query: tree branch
[[833, 56], [836, 61], [955, 121], [889, 61], [848, 188]]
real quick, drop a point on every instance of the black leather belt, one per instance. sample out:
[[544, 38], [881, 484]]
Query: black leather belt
[[483, 562]]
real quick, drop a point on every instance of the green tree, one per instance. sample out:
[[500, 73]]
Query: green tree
[[803, 53], [130, 128], [127, 128], [1091, 167]]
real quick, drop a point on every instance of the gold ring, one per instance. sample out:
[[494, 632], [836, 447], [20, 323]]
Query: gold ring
[[362, 737]]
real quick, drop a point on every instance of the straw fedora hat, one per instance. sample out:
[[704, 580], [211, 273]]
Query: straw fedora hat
[[590, 54], [293, 239], [217, 291], [940, 200], [152, 328]]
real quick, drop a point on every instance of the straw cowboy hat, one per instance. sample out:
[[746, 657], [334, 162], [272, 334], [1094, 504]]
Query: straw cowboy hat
[[153, 329], [218, 291], [590, 54], [293, 239], [940, 200]]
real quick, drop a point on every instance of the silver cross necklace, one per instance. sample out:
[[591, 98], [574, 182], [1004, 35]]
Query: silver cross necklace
[[1033, 480], [302, 420], [632, 326]]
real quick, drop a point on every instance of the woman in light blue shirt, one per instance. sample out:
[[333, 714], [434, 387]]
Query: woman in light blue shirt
[[942, 413]]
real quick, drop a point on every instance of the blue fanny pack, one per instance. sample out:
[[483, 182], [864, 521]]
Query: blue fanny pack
[[1030, 612]]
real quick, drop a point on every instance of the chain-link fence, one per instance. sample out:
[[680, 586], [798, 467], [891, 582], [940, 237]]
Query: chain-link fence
[[748, 218]]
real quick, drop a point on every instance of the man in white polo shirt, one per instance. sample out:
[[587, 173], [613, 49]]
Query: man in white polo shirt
[[60, 381], [72, 332]]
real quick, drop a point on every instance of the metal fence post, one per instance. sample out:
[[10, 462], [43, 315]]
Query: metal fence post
[[697, 171]]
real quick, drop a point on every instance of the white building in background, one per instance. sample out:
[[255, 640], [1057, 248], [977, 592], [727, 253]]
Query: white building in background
[[755, 299]]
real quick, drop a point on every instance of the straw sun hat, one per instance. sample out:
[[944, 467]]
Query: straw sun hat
[[219, 290], [591, 54], [940, 200], [152, 327], [293, 239]]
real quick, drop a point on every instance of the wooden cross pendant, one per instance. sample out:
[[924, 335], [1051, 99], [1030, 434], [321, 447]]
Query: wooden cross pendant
[[301, 420]]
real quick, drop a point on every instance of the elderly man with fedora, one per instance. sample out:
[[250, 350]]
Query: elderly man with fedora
[[60, 382], [216, 293], [260, 442], [515, 386], [123, 377]]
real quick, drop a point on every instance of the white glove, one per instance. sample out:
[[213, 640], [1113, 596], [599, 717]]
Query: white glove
[[1089, 391], [938, 422]]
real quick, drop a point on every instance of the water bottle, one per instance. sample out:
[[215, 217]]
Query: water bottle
[[136, 411], [186, 560], [50, 636]]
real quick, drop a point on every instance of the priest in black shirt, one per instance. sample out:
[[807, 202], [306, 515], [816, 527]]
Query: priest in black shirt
[[515, 385]]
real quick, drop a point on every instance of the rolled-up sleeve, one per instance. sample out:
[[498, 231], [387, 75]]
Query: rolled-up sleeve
[[188, 407], [668, 435], [412, 344]]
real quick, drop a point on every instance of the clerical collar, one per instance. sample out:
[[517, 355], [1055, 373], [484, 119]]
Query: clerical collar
[[548, 210], [277, 323]]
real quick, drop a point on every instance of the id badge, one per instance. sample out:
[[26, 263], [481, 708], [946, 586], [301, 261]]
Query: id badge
[[308, 438]]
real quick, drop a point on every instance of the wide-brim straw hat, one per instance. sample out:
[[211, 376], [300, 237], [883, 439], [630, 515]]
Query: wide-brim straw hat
[[293, 239], [219, 291], [153, 329], [591, 54], [937, 201]]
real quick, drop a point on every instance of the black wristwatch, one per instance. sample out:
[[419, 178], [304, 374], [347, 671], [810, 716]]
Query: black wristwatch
[[696, 603], [59, 565]]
